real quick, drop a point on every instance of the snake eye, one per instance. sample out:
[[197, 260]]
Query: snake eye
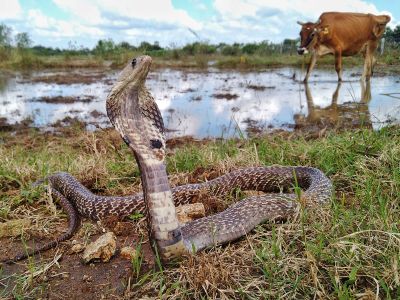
[[155, 144], [133, 63]]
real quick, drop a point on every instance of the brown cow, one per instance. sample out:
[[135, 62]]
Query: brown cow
[[343, 34]]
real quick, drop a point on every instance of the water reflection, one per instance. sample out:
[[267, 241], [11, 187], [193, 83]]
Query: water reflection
[[210, 103], [345, 115]]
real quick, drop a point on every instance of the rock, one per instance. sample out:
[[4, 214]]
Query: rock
[[101, 249], [14, 227], [129, 253], [189, 212], [87, 278], [77, 248]]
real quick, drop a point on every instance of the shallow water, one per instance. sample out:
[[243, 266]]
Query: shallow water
[[215, 103]]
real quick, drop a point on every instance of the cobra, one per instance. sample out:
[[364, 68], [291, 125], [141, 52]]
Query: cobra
[[135, 115]]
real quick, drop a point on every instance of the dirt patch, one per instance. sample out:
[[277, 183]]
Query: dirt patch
[[256, 87], [226, 96], [97, 114], [189, 90], [69, 122], [65, 100], [70, 78], [19, 126], [253, 127], [70, 277], [196, 98]]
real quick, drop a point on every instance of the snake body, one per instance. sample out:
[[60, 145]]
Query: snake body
[[135, 115]]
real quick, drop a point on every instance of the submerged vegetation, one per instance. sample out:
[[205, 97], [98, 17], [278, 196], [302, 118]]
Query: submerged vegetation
[[348, 249], [18, 53]]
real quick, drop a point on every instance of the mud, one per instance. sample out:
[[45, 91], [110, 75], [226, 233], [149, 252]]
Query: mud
[[72, 277], [70, 78], [226, 96], [64, 100]]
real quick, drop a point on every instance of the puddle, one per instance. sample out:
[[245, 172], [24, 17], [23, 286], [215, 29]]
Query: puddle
[[210, 104]]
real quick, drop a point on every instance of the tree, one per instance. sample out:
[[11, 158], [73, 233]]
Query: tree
[[393, 35], [22, 40], [104, 47], [5, 35]]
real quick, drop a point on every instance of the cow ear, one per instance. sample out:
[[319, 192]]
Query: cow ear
[[300, 23], [378, 30]]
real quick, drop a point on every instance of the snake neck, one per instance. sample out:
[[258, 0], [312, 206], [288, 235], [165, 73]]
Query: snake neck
[[163, 224]]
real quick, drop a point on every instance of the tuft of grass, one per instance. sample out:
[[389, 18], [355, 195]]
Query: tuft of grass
[[348, 249]]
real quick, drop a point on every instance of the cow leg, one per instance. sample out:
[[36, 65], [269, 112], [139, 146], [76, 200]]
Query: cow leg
[[311, 66], [338, 64], [369, 61], [367, 67]]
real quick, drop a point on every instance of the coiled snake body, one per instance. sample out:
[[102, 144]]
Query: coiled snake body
[[135, 115]]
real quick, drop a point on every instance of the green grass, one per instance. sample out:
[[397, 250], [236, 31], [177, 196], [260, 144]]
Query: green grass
[[346, 250]]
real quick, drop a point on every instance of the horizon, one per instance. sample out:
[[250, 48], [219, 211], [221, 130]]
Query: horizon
[[62, 23]]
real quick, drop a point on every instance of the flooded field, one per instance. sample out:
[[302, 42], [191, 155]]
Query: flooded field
[[208, 104]]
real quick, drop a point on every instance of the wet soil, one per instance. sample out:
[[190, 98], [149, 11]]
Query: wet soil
[[71, 278], [70, 78], [65, 100], [226, 96]]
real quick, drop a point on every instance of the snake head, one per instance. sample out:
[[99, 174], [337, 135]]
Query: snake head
[[134, 113], [131, 77]]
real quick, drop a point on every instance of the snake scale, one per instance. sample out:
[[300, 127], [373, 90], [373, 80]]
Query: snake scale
[[135, 115]]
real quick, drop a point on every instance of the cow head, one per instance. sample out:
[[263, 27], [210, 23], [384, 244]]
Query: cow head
[[308, 36]]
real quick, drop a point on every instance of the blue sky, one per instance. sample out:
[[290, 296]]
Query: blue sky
[[61, 23]]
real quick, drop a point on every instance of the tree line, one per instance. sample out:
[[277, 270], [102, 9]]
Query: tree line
[[104, 47]]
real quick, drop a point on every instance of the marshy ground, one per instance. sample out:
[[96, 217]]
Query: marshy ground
[[209, 102], [348, 249]]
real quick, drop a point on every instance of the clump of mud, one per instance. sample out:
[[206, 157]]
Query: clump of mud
[[70, 78], [19, 126], [64, 100], [226, 96], [260, 87]]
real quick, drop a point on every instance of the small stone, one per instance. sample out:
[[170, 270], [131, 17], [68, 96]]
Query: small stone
[[87, 278], [77, 248], [101, 249], [129, 253]]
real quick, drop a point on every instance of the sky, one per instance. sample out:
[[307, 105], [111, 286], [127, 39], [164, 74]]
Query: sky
[[76, 23]]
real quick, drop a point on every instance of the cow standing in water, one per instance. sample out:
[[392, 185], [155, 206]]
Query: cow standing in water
[[342, 34]]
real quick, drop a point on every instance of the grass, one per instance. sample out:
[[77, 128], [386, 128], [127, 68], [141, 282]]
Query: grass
[[346, 250], [27, 59]]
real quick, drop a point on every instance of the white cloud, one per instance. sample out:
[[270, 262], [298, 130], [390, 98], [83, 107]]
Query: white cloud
[[10, 10], [87, 11], [48, 26], [158, 20], [102, 12], [311, 8]]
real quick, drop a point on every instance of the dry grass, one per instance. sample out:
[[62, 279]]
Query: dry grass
[[347, 250]]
